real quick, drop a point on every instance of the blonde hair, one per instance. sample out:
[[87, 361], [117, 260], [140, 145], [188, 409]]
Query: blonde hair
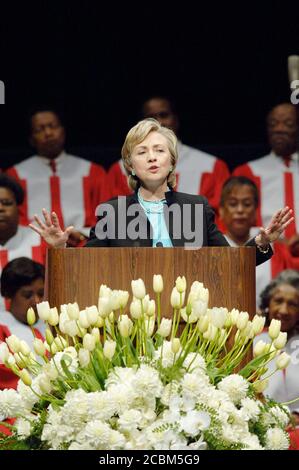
[[136, 135]]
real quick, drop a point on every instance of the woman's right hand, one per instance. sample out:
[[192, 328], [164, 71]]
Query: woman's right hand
[[50, 230]]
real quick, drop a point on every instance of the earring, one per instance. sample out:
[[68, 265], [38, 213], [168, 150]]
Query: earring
[[170, 169], [133, 173]]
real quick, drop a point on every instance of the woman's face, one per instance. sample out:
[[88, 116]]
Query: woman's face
[[284, 306], [151, 160], [26, 297]]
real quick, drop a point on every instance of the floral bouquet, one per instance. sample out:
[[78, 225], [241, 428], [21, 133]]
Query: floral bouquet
[[104, 379]]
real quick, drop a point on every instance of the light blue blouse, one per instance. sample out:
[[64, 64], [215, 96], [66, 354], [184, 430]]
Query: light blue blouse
[[155, 214]]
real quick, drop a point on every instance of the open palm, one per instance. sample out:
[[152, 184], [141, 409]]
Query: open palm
[[279, 222], [50, 229]]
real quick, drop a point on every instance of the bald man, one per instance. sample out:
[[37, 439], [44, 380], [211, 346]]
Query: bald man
[[277, 174]]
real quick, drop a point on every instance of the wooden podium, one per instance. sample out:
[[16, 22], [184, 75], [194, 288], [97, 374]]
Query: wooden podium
[[75, 274]]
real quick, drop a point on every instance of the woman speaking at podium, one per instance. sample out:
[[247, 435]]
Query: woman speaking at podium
[[155, 214]]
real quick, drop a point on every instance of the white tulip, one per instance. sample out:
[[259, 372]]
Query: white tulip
[[73, 311], [100, 322], [211, 332], [281, 340], [25, 377], [258, 324], [199, 307], [43, 310], [181, 284], [274, 328], [109, 349], [123, 298], [203, 324], [115, 300], [71, 328], [283, 360], [31, 317], [63, 318], [4, 353], [175, 345], [105, 291], [260, 385], [260, 348], [92, 314], [24, 348], [242, 320], [217, 316], [196, 287], [234, 314], [89, 342], [39, 347], [104, 306], [53, 318], [145, 302], [83, 320], [49, 336], [151, 308], [158, 283], [84, 357], [96, 334], [150, 324], [13, 343], [138, 289], [11, 360], [165, 327], [175, 298], [135, 309], [125, 326]]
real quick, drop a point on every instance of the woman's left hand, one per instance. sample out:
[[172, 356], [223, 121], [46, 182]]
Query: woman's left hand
[[278, 224]]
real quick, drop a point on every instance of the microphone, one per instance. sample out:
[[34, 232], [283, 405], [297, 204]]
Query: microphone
[[159, 244]]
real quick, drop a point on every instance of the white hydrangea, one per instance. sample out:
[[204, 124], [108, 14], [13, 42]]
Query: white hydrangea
[[100, 405], [250, 409], [194, 422], [195, 385], [281, 416], [24, 424], [120, 375], [130, 420], [277, 439], [10, 404], [235, 386], [147, 382], [75, 411]]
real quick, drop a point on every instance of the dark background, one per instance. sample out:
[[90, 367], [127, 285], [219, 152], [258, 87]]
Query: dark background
[[224, 63]]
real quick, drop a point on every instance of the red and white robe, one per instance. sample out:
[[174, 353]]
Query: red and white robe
[[24, 243], [278, 184], [73, 189], [197, 173]]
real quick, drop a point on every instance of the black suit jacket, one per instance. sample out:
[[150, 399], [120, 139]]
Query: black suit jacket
[[211, 236]]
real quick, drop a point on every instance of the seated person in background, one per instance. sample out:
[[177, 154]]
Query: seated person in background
[[280, 301], [22, 282], [69, 185], [238, 204], [150, 157], [15, 240], [276, 174], [197, 172]]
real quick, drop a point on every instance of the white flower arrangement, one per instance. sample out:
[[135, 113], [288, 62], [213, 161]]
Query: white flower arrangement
[[106, 380]]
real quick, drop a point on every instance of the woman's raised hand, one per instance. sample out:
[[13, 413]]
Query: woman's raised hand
[[50, 229]]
